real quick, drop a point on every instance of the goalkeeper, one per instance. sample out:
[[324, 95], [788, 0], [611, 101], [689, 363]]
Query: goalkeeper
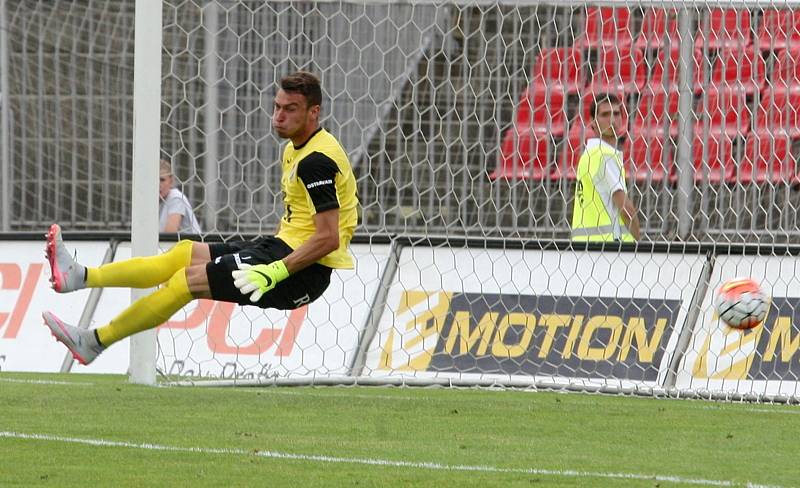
[[284, 271]]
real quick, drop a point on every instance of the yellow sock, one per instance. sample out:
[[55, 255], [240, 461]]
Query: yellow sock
[[148, 312], [141, 272]]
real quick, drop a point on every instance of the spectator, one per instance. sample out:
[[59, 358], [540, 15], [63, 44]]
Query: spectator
[[174, 211], [603, 211]]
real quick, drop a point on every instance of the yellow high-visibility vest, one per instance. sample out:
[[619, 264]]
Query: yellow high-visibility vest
[[591, 220]]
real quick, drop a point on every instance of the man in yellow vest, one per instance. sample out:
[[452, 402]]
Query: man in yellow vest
[[603, 211]]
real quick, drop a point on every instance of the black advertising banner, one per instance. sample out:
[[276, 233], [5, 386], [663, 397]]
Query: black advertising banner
[[509, 334]]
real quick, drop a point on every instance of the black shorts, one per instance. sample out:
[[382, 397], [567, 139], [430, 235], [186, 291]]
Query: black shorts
[[302, 287]]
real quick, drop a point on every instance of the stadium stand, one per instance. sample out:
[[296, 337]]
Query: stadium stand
[[606, 27], [724, 29], [779, 29], [558, 68], [743, 70], [658, 26], [768, 158], [663, 76], [726, 112], [619, 70], [746, 92], [656, 114], [777, 112], [785, 71]]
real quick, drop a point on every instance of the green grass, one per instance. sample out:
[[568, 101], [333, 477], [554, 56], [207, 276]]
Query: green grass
[[549, 433]]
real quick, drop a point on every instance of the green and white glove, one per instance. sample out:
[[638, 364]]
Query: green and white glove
[[259, 279]]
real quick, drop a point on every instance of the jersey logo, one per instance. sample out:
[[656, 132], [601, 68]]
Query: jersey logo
[[302, 300], [266, 278], [319, 183]]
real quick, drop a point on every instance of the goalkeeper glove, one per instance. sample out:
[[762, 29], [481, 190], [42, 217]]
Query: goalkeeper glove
[[259, 279]]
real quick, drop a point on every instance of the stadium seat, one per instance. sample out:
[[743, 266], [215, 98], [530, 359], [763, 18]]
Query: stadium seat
[[656, 114], [658, 25], [720, 28], [558, 68], [713, 158], [741, 70], [647, 152], [542, 111], [703, 66], [606, 27], [524, 154], [768, 158], [619, 70], [726, 112], [786, 71], [779, 29], [778, 112], [664, 73]]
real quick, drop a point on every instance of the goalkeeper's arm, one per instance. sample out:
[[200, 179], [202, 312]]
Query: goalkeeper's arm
[[261, 278], [324, 241]]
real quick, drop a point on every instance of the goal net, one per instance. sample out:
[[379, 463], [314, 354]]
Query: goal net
[[464, 122]]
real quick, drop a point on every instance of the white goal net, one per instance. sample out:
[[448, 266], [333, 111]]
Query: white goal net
[[464, 122]]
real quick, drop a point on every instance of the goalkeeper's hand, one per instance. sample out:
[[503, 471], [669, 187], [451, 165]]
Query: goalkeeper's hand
[[259, 279]]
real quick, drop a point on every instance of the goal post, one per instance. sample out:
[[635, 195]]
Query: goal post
[[146, 155]]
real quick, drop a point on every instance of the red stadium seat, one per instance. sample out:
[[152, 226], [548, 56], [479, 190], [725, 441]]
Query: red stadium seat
[[542, 111], [779, 111], [726, 112], [779, 29], [558, 68], [524, 155], [702, 72], [786, 71], [647, 154], [768, 158], [741, 70], [658, 25], [664, 73], [656, 114], [713, 158], [619, 70], [721, 28], [606, 27]]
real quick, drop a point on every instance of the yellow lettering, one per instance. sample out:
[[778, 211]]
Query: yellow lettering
[[500, 348], [552, 322], [460, 330], [636, 330], [577, 324], [600, 322], [782, 331]]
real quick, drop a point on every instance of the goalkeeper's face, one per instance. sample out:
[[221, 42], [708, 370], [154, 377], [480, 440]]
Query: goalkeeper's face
[[292, 117]]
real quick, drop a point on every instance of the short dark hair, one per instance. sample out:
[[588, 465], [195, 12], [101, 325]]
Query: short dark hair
[[602, 98], [305, 83]]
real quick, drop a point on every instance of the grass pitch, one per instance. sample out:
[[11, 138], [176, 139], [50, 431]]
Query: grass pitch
[[86, 430]]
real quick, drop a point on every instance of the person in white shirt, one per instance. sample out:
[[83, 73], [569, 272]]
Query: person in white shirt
[[175, 213], [603, 211]]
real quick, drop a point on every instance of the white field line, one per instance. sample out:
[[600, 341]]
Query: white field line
[[46, 382], [379, 462], [753, 410]]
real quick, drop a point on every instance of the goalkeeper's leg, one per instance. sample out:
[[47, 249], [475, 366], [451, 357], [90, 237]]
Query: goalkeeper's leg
[[145, 313], [140, 272]]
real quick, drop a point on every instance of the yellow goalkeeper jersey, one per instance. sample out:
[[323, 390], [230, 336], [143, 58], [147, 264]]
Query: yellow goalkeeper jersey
[[317, 177]]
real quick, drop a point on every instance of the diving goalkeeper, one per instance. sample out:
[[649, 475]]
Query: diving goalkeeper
[[284, 271]]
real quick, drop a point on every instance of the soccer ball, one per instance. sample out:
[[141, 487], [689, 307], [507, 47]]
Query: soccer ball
[[741, 304]]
